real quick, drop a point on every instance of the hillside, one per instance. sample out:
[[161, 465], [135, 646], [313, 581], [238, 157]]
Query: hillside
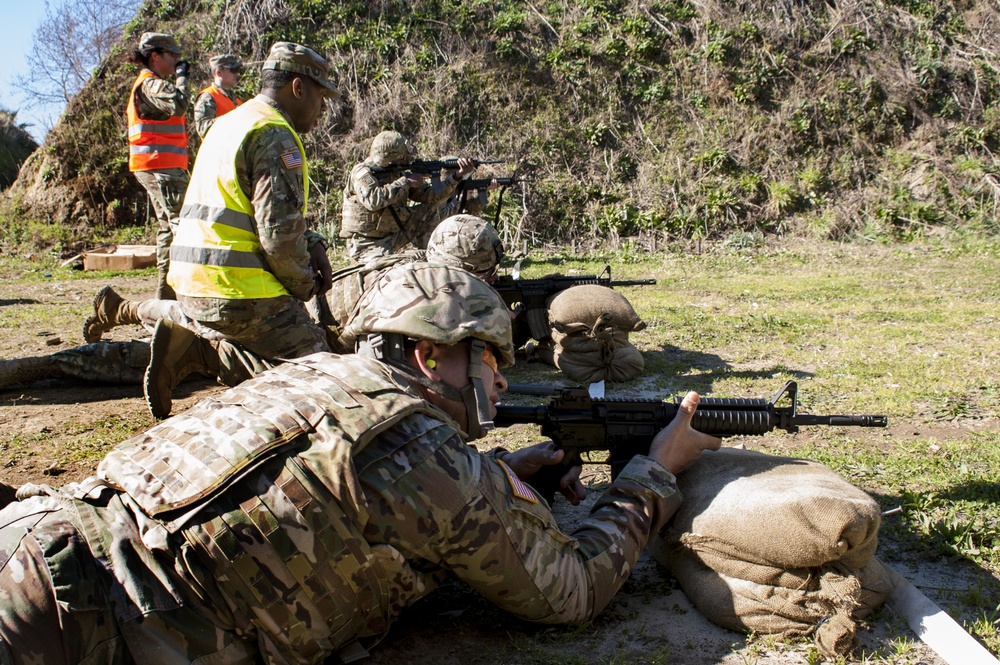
[[16, 145], [666, 118]]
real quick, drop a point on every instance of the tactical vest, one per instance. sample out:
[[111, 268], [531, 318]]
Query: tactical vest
[[359, 220], [216, 252], [223, 103], [154, 144], [261, 482]]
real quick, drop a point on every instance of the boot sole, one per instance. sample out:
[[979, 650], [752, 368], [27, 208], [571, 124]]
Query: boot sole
[[95, 320]]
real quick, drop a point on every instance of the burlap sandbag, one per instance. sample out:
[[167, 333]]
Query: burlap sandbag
[[775, 545], [589, 302], [590, 328]]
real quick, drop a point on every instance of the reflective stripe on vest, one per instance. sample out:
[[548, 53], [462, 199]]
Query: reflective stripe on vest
[[154, 144], [216, 252], [223, 104]]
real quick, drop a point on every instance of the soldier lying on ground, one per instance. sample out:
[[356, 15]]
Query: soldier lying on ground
[[463, 241], [297, 515]]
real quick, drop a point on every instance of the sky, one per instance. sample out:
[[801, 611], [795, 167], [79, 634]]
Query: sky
[[20, 18]]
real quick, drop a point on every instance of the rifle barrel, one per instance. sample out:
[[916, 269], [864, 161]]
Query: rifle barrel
[[841, 421]]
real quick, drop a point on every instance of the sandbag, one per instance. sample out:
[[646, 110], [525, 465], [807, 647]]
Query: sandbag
[[775, 545], [590, 326], [586, 303]]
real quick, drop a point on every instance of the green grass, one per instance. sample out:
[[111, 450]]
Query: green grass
[[909, 331]]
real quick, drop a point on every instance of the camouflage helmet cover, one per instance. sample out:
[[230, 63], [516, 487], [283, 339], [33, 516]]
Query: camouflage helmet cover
[[390, 147], [466, 241], [439, 303]]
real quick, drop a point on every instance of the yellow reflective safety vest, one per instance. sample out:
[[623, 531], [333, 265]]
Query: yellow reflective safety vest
[[216, 252]]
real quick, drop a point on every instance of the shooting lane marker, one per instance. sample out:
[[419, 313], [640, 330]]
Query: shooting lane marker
[[934, 627]]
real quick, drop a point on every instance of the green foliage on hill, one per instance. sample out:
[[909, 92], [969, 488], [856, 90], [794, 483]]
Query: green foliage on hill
[[666, 118]]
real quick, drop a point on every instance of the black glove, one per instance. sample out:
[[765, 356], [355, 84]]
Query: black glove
[[181, 68]]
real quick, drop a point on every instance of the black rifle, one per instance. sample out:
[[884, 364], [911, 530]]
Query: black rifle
[[581, 425], [529, 296], [431, 167], [481, 184]]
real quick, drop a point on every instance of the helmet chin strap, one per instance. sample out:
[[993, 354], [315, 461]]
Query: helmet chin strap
[[388, 347]]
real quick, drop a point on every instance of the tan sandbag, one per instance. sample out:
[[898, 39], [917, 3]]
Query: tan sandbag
[[586, 354], [775, 545], [827, 606], [587, 303], [777, 511]]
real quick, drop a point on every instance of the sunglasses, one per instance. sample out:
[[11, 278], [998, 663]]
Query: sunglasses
[[489, 358]]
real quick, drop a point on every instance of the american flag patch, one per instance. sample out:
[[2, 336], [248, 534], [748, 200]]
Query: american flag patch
[[292, 159], [521, 489]]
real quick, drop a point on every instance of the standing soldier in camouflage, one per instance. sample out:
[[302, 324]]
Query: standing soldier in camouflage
[[157, 137], [242, 261], [218, 99], [377, 216], [298, 515]]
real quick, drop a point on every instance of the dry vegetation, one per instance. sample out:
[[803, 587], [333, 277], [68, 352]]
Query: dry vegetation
[[664, 118]]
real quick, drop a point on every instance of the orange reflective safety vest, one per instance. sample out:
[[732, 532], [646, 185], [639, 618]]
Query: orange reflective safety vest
[[154, 144], [223, 104]]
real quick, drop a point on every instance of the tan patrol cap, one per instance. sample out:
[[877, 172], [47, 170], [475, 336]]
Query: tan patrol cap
[[229, 61], [151, 41], [289, 57]]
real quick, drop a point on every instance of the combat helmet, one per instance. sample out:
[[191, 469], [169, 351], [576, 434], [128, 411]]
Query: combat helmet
[[444, 305], [390, 147], [467, 242]]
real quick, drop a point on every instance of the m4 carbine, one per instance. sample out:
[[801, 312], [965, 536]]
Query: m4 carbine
[[581, 425]]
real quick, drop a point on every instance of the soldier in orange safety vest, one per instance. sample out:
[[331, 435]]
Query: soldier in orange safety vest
[[157, 138], [218, 99]]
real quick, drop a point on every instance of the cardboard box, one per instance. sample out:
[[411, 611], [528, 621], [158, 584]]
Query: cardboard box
[[124, 257]]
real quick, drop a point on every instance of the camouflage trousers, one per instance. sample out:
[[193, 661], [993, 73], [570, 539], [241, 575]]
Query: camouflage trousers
[[166, 189], [256, 333], [60, 604], [107, 362]]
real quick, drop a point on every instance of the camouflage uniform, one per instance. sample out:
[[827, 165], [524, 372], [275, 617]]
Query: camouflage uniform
[[159, 99], [270, 327], [293, 515], [205, 112], [378, 218], [205, 108]]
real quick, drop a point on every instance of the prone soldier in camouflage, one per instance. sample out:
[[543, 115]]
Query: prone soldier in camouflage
[[218, 99], [378, 218], [462, 241], [157, 136], [242, 261], [299, 514]]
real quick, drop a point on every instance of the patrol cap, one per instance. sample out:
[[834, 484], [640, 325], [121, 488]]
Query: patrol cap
[[229, 61], [152, 41], [290, 57]]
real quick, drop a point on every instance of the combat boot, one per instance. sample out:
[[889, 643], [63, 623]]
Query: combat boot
[[175, 352], [28, 370], [110, 310]]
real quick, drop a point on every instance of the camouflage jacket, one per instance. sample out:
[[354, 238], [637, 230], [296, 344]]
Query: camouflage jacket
[[309, 506], [375, 210], [277, 196], [159, 99], [205, 111]]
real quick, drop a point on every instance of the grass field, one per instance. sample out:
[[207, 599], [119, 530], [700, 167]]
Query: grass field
[[909, 331]]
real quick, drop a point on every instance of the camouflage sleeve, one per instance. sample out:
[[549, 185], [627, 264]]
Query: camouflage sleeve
[[159, 99], [204, 113], [474, 205], [435, 191], [270, 172], [374, 196], [438, 500]]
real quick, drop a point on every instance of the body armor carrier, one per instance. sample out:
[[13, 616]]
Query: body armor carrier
[[261, 482]]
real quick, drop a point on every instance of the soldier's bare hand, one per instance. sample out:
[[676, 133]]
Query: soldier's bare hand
[[465, 166], [678, 445]]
